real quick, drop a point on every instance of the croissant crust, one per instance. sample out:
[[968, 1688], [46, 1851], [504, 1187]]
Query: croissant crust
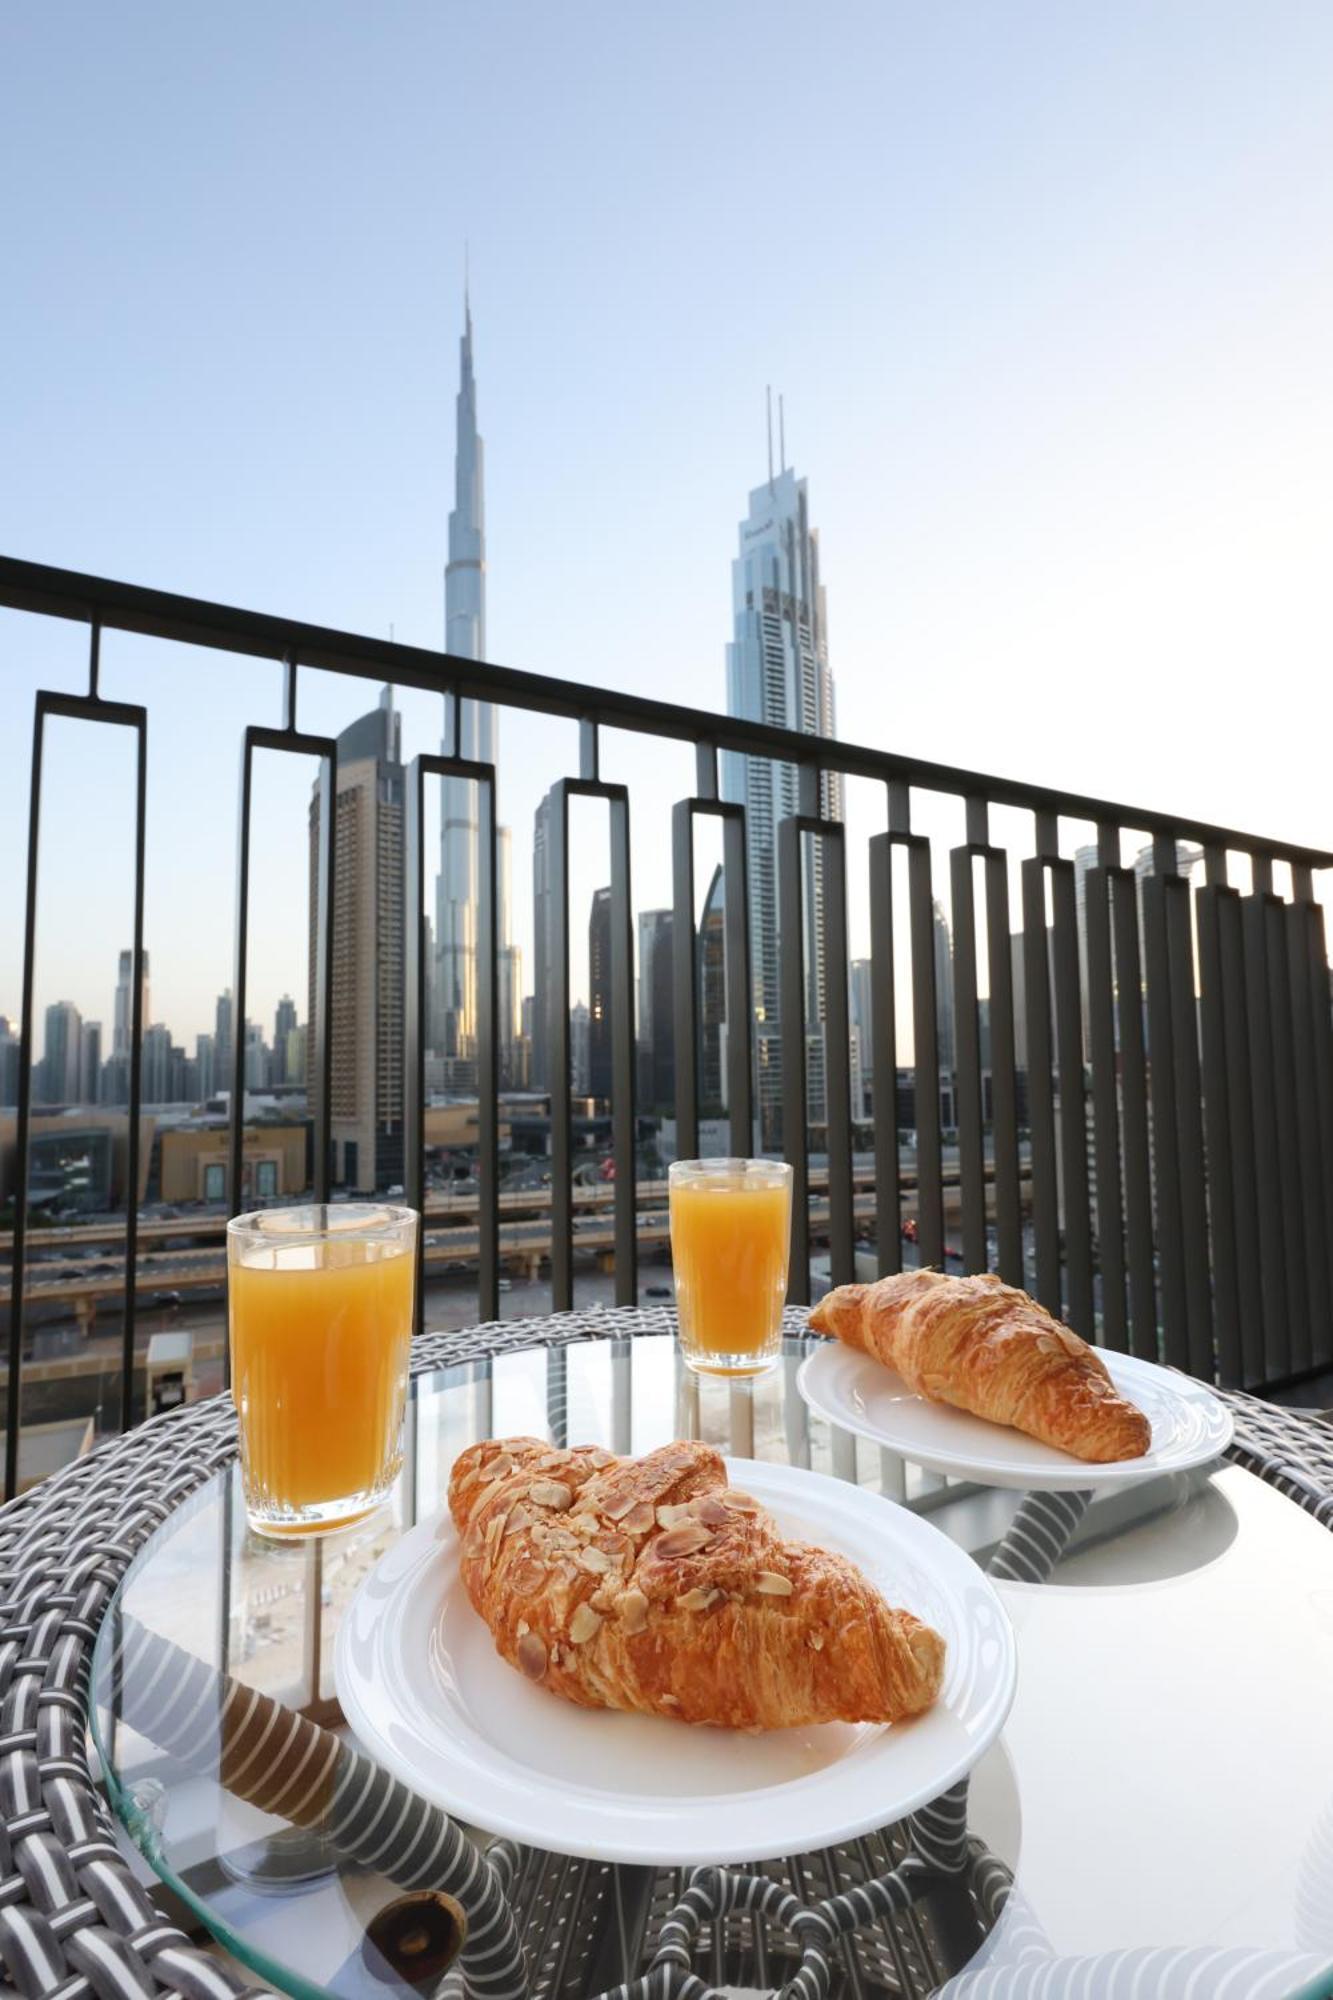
[[651, 1584], [986, 1347]]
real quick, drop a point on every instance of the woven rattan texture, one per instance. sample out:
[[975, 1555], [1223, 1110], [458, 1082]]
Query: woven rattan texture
[[74, 1923]]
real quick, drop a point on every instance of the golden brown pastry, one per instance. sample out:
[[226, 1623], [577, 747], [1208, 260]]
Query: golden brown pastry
[[984, 1346], [650, 1584]]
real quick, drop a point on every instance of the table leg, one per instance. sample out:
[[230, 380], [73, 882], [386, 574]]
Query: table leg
[[1038, 1536]]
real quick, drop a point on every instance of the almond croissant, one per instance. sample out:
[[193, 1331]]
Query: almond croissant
[[650, 1584], [984, 1346]]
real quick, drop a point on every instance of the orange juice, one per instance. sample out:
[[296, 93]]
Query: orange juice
[[321, 1330], [730, 1232]]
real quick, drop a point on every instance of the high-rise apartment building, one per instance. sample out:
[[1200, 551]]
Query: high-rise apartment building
[[123, 1022], [944, 1012], [62, 1057], [207, 1079], [657, 1023], [222, 1044], [778, 672], [155, 1064], [543, 969], [11, 1047], [366, 1110], [860, 1007], [90, 1063], [284, 1023], [579, 1038], [712, 1004], [453, 1026], [599, 995], [509, 967]]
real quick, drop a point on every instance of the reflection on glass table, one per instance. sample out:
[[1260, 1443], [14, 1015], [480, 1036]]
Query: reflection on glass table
[[1164, 1780]]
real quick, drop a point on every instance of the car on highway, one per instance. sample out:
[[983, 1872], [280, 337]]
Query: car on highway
[[657, 1291], [169, 1299]]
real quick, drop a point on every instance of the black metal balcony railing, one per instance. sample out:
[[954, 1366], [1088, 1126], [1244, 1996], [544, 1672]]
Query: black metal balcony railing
[[1206, 1109]]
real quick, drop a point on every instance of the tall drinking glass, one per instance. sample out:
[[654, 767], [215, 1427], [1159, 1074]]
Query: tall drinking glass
[[320, 1305], [730, 1231]]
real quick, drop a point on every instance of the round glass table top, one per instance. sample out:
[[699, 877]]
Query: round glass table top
[[1164, 1781]]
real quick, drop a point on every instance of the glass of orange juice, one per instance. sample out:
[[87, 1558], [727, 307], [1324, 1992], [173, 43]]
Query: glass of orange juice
[[730, 1232], [319, 1307]]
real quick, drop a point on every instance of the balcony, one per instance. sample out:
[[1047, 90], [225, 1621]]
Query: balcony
[[1127, 1014]]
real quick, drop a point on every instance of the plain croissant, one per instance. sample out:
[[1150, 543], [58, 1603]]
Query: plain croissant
[[986, 1347], [650, 1584]]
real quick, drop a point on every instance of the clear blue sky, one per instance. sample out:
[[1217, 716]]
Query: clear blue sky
[[1049, 289]]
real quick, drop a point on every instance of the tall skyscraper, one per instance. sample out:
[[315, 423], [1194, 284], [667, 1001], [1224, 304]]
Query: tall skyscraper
[[657, 1025], [11, 1046], [944, 1014], [123, 1021], [155, 1064], [543, 970], [861, 1010], [366, 1111], [207, 1079], [284, 1021], [509, 966], [222, 1032], [90, 1063], [778, 672], [454, 1001], [599, 995], [712, 977], [579, 1035], [61, 1071]]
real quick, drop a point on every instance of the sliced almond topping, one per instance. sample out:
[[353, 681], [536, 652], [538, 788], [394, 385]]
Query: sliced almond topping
[[632, 1606], [553, 1458], [671, 1517], [583, 1624], [698, 1600], [739, 1503], [600, 1458], [710, 1511], [519, 1517], [670, 1701], [594, 1559], [816, 1642], [616, 1510], [532, 1655], [639, 1519], [527, 1577], [770, 1584], [494, 1527], [686, 1541], [522, 1627], [497, 1468], [550, 1493]]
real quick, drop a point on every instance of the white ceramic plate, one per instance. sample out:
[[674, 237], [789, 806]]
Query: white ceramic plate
[[427, 1696], [1190, 1426]]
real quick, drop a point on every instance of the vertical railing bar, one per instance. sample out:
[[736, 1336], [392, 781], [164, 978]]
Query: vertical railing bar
[[884, 1057], [1162, 1100], [1079, 1308], [1004, 1080], [1241, 1155], [837, 1058], [795, 1139], [1321, 1021], [94, 659], [1226, 1223], [1189, 1127], [1289, 1158], [488, 1056], [236, 1107], [967, 1039], [325, 909], [137, 1025], [1041, 1099], [1315, 1191], [705, 770], [289, 692], [414, 1040], [1268, 1197], [737, 981], [557, 1037], [1105, 1119], [685, 978], [18, 1252], [1134, 1110], [623, 1054], [589, 751], [926, 1057]]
